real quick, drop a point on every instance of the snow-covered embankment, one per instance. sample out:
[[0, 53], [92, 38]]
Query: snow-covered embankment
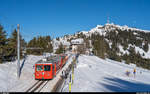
[[93, 74]]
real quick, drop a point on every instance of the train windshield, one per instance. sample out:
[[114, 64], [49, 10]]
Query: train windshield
[[39, 67], [47, 68]]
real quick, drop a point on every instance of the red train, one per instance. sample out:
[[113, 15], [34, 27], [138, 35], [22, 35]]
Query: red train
[[47, 69]]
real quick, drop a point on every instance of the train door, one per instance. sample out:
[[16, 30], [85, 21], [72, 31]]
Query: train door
[[64, 61], [55, 69], [57, 66], [58, 62], [61, 61], [48, 71], [38, 71]]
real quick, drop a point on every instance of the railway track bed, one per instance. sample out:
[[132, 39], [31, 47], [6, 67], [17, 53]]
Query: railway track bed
[[37, 87], [49, 85]]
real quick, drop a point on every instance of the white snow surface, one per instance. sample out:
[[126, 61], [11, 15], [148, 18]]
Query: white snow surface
[[94, 74], [137, 49], [141, 51], [8, 75]]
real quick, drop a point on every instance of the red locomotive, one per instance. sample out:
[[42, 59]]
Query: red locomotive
[[48, 68]]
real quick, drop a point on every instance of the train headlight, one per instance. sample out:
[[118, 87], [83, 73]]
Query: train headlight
[[42, 73]]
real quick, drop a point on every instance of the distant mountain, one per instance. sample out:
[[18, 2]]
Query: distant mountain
[[117, 42]]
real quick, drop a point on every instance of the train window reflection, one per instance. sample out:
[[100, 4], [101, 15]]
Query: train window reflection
[[39, 67], [47, 68]]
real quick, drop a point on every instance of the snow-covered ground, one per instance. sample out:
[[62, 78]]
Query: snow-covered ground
[[94, 74], [8, 75]]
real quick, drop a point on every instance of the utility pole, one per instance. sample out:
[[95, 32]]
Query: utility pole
[[18, 51]]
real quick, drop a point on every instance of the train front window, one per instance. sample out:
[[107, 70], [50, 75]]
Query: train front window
[[47, 68], [39, 67]]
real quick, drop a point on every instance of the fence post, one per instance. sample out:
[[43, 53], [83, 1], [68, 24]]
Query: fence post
[[70, 84]]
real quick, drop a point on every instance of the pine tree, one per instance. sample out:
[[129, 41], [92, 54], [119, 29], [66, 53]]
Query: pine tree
[[12, 45], [145, 47], [3, 42], [42, 42]]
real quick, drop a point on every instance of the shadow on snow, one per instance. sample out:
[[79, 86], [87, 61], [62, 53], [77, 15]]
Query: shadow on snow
[[22, 65], [119, 85]]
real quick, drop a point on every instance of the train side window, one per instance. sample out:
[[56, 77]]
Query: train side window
[[47, 68], [39, 67]]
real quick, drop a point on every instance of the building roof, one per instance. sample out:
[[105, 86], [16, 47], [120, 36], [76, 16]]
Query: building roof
[[77, 41]]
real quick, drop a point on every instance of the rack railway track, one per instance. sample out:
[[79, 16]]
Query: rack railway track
[[37, 86], [40, 84]]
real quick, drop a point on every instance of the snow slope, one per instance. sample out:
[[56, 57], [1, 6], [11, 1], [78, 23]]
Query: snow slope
[[93, 74], [8, 75]]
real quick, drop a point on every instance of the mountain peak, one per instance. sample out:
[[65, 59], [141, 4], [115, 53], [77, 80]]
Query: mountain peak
[[103, 29]]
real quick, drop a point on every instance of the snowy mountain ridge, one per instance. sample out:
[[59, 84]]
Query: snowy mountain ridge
[[102, 29]]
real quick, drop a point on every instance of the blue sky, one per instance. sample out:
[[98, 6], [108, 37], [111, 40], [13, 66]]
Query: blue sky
[[60, 17]]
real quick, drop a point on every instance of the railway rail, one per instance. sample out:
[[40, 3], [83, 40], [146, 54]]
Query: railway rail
[[37, 86]]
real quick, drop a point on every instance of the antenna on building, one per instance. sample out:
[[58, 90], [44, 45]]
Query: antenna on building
[[108, 20]]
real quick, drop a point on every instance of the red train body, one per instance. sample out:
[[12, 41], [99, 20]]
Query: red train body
[[48, 69]]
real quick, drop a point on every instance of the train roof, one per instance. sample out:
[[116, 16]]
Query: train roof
[[50, 60]]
